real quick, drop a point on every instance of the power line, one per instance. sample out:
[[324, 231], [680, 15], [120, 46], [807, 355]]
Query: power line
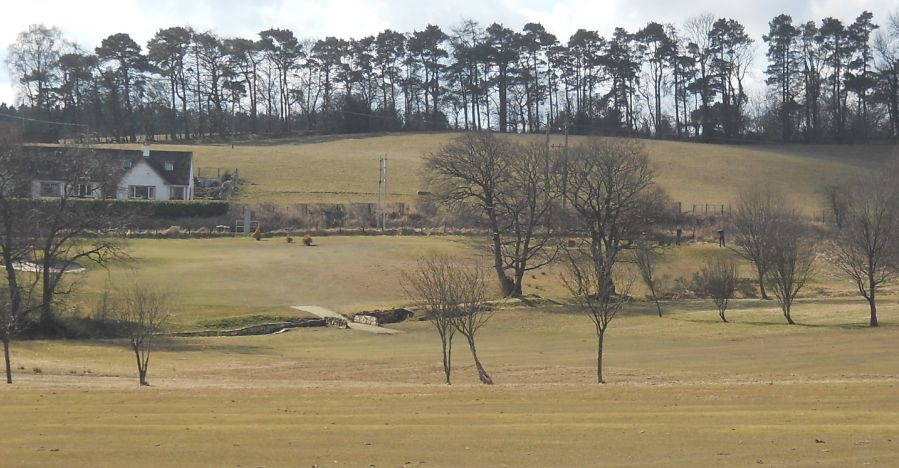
[[52, 122]]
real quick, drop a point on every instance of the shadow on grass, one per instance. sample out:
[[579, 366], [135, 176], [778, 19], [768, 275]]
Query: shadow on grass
[[188, 345]]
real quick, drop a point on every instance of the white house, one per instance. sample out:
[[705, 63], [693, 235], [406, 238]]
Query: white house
[[141, 175]]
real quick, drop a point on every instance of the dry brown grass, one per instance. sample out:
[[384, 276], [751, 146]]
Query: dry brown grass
[[685, 390], [343, 169]]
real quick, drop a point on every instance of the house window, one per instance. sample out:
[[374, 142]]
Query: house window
[[178, 193], [169, 166], [127, 164], [142, 192], [51, 189], [85, 190]]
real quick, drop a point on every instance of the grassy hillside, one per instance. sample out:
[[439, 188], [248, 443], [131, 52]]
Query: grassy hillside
[[344, 169]]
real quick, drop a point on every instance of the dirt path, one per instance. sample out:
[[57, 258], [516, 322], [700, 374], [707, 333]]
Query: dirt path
[[323, 312]]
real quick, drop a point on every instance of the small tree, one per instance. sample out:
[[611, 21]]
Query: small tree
[[718, 280], [472, 312], [792, 260], [8, 327], [611, 190], [144, 312], [647, 259], [14, 310], [756, 212], [434, 283], [592, 291]]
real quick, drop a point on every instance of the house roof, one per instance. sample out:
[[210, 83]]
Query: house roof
[[180, 160]]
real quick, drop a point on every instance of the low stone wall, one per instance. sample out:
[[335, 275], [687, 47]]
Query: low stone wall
[[336, 322], [366, 319]]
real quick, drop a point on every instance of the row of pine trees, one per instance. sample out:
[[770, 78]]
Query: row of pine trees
[[827, 81]]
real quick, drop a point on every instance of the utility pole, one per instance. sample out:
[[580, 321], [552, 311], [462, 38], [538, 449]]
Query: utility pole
[[382, 192]]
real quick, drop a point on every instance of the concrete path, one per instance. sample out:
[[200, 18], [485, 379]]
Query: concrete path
[[323, 312]]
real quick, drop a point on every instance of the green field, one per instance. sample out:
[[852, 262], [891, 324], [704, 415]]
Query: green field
[[343, 170], [684, 389]]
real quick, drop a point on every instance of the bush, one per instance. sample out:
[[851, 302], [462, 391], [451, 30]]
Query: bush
[[718, 280], [143, 208]]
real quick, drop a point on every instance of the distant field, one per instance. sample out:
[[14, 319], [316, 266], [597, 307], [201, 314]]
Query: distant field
[[685, 390], [341, 169], [221, 278], [217, 278]]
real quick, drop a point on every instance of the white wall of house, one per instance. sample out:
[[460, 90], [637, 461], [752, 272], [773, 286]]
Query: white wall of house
[[37, 184], [86, 189], [190, 188], [141, 174]]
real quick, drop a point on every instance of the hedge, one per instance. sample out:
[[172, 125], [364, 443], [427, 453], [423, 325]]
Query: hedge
[[143, 208]]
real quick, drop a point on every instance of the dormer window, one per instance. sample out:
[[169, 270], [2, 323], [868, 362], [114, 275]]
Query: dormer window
[[127, 164], [169, 166]]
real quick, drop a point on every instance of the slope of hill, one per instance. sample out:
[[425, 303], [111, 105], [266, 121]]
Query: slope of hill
[[342, 169]]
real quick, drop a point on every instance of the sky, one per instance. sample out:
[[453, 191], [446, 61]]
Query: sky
[[87, 22]]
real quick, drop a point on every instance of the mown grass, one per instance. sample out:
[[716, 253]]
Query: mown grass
[[683, 390]]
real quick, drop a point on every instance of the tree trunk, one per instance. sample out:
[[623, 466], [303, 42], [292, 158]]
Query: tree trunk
[[506, 284], [519, 279], [599, 339], [7, 361], [48, 317], [762, 285], [141, 371], [873, 303], [447, 345], [788, 317], [482, 374]]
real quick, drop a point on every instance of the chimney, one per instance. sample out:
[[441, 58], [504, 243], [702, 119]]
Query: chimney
[[145, 149]]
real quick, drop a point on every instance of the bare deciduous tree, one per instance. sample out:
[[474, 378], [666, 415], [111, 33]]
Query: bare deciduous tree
[[792, 260], [16, 243], [471, 169], [472, 312], [526, 201], [434, 283], [612, 192], [718, 280], [646, 260], [592, 292], [144, 312], [62, 225], [453, 295], [757, 210], [865, 247], [512, 186]]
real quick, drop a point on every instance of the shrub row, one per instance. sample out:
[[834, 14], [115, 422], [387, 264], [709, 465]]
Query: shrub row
[[144, 208]]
